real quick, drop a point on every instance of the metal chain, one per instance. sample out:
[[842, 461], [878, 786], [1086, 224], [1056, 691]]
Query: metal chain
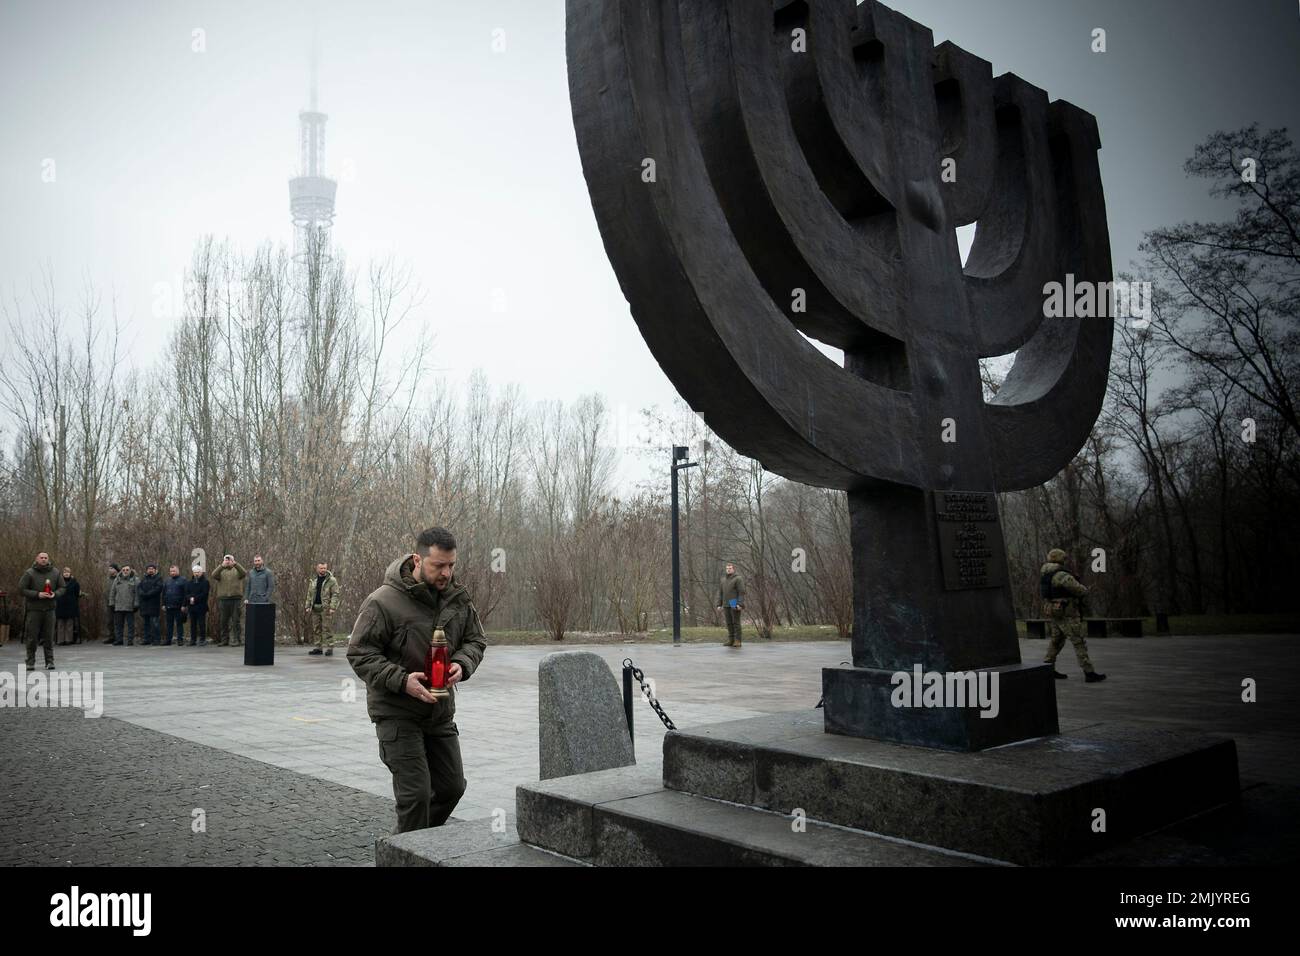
[[645, 689]]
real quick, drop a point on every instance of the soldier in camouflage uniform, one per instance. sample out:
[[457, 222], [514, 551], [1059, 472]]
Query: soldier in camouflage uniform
[[322, 602], [732, 588], [1061, 593]]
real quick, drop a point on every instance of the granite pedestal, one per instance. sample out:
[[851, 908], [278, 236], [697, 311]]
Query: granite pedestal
[[857, 704], [778, 790], [1032, 802]]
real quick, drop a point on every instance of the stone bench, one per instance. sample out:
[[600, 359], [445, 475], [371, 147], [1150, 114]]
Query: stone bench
[[1124, 626]]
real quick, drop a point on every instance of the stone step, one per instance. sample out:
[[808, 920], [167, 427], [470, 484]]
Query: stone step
[[463, 843], [625, 817], [1033, 802]]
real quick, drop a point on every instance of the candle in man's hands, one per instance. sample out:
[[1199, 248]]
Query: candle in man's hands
[[439, 663]]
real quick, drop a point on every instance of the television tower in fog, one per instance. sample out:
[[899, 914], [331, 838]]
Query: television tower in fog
[[311, 192]]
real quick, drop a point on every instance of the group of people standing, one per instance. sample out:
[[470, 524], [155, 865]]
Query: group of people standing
[[53, 604], [154, 597]]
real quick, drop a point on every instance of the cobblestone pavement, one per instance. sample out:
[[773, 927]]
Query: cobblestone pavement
[[288, 763], [106, 793]]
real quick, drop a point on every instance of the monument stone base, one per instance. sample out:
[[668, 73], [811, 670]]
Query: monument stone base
[[779, 790], [729, 795], [858, 703]]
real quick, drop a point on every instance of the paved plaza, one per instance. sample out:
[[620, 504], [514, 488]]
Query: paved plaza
[[284, 762]]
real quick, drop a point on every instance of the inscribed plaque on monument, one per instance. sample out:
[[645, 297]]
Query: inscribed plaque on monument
[[970, 540]]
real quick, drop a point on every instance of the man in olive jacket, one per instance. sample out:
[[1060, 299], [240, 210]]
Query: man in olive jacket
[[731, 600], [228, 582], [418, 740], [41, 586]]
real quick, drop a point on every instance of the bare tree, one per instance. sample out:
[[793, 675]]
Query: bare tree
[[1234, 288]]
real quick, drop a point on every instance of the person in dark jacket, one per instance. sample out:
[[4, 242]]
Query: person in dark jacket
[[418, 740], [173, 602], [196, 606], [67, 611], [149, 591]]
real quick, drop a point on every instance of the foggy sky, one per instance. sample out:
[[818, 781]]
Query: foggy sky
[[462, 161]]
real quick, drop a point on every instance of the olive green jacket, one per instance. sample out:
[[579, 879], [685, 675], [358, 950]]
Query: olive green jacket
[[392, 636], [228, 582], [731, 586], [32, 584]]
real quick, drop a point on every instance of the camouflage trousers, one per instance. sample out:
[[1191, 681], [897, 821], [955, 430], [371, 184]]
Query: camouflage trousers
[[321, 634], [1061, 627]]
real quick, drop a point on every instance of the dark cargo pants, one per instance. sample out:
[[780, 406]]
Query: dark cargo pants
[[733, 625], [231, 626], [428, 777], [38, 628], [175, 625]]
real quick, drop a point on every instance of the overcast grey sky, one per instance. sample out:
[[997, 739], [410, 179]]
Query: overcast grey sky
[[462, 161]]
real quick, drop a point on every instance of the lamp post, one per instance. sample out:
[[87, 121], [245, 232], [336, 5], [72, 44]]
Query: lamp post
[[679, 461]]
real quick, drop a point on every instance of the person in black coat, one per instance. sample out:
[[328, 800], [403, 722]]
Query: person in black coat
[[67, 611], [174, 601], [149, 591], [196, 606]]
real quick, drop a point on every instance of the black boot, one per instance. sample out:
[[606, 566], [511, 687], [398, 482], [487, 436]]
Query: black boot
[[1059, 676], [1093, 677]]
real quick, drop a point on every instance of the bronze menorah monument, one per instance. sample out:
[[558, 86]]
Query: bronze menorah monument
[[763, 169]]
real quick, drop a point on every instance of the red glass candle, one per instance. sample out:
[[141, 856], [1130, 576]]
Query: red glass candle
[[439, 662], [48, 589]]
